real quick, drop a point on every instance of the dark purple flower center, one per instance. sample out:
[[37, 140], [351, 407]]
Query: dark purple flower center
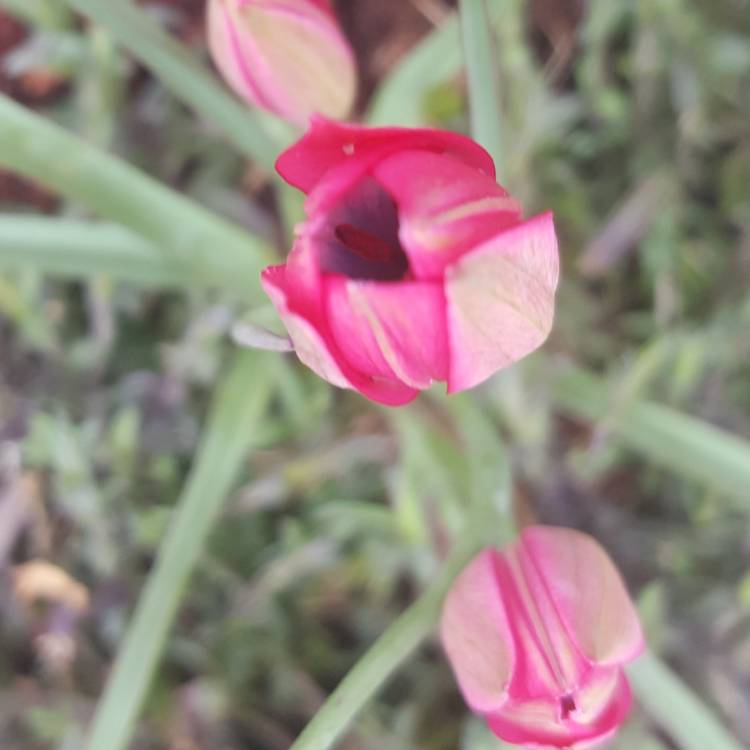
[[567, 706], [360, 236]]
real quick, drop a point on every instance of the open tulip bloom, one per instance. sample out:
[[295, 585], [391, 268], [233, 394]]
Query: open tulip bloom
[[413, 266], [537, 635]]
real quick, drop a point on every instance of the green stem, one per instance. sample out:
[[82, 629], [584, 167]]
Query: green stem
[[177, 68], [202, 245], [676, 708], [240, 403], [398, 642], [481, 71], [78, 249]]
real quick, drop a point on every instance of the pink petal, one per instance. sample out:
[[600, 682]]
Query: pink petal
[[308, 329], [309, 344], [476, 636], [530, 722], [446, 207], [588, 592], [392, 330], [328, 144], [230, 54], [501, 301]]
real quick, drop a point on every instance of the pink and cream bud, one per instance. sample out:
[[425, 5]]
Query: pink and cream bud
[[537, 635], [286, 56]]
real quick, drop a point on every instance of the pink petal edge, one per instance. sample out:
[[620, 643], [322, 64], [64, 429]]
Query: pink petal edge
[[476, 635], [327, 144], [315, 348], [500, 300]]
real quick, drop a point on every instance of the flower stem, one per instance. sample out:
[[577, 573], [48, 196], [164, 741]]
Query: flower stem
[[398, 642]]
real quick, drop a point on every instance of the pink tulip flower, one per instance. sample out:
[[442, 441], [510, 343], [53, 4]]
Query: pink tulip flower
[[537, 635], [287, 56], [413, 266]]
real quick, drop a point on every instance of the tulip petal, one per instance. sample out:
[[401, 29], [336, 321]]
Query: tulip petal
[[228, 49], [588, 594], [501, 301], [396, 330], [530, 723], [445, 207], [309, 344], [476, 636], [313, 344], [300, 59], [328, 144]]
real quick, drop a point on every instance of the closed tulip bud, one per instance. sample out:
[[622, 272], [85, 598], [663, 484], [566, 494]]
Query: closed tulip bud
[[286, 56], [413, 266], [537, 635]]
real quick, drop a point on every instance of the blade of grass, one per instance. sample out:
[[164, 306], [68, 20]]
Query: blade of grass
[[676, 708], [690, 447], [202, 244], [437, 58], [481, 70], [78, 249], [399, 97], [396, 644], [239, 405], [178, 69], [484, 521]]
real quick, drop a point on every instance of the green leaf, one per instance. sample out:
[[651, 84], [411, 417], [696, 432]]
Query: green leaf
[[239, 406], [45, 13], [686, 445], [78, 249], [482, 73], [676, 708], [400, 97], [177, 68], [200, 244]]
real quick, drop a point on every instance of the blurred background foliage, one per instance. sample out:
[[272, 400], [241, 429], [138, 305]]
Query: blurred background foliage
[[630, 119]]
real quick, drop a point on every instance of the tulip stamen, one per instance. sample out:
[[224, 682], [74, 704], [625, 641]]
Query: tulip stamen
[[365, 244]]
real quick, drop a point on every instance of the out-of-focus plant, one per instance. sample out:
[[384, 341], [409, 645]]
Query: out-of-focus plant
[[287, 56]]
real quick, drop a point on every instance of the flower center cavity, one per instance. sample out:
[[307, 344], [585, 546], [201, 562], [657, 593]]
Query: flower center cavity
[[360, 239], [567, 706]]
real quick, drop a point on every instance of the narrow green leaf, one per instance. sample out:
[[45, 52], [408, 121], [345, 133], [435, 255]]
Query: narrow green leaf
[[78, 249], [201, 244], [398, 642], [240, 403], [178, 69], [45, 13], [676, 708], [399, 98], [481, 70], [437, 58], [686, 445]]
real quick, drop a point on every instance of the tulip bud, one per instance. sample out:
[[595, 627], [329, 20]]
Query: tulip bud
[[537, 635], [286, 56]]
